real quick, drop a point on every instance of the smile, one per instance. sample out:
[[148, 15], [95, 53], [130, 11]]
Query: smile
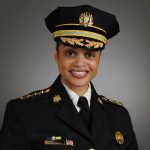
[[78, 74]]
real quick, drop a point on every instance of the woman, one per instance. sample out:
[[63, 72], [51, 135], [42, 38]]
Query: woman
[[70, 114]]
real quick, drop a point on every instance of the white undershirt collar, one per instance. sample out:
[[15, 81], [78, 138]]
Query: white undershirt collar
[[74, 96]]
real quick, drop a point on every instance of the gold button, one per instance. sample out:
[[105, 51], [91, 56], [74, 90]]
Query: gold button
[[119, 137]]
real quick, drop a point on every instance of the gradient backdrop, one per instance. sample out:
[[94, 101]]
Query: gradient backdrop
[[27, 55]]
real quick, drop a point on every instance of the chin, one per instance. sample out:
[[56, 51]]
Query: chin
[[79, 83]]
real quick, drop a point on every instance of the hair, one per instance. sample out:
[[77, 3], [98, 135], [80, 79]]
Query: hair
[[57, 45]]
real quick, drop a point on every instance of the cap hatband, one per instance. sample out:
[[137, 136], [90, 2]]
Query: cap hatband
[[79, 33]]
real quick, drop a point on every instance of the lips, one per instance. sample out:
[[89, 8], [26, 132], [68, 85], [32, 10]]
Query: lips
[[78, 74]]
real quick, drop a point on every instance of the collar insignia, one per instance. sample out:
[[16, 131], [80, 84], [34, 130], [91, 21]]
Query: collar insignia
[[119, 137], [86, 19], [56, 98]]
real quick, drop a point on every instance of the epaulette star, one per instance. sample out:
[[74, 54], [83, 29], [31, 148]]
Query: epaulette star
[[37, 93]]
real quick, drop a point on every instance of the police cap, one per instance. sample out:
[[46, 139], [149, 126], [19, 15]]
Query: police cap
[[82, 26]]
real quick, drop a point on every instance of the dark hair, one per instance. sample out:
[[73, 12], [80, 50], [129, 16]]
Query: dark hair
[[57, 45]]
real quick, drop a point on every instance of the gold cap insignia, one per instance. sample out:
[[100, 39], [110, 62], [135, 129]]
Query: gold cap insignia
[[86, 19], [119, 137], [56, 98]]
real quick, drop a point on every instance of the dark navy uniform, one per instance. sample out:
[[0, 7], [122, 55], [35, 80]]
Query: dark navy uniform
[[48, 120]]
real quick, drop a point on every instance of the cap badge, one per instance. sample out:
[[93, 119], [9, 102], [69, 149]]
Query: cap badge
[[56, 98], [119, 137], [86, 19]]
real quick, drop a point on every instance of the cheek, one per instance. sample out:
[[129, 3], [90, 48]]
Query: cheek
[[94, 64], [95, 67], [63, 65]]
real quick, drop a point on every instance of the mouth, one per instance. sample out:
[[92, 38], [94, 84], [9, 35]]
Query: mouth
[[79, 74]]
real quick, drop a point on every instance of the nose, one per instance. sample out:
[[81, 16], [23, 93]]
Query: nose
[[80, 60]]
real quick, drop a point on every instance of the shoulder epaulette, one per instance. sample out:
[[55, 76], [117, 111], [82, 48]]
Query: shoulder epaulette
[[36, 93], [103, 99]]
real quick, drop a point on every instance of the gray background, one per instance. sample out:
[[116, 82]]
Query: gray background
[[27, 51]]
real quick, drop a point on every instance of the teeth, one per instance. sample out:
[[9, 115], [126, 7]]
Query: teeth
[[79, 74]]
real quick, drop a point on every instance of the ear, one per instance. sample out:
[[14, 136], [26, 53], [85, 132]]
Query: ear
[[56, 56]]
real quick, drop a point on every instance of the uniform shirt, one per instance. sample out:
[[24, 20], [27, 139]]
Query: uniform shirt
[[74, 96]]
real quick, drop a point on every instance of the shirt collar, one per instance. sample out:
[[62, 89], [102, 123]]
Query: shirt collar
[[74, 96]]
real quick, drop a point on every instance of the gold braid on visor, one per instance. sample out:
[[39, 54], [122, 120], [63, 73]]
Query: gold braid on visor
[[80, 33], [81, 38]]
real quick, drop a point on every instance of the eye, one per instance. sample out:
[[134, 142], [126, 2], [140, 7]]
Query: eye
[[70, 53], [90, 55]]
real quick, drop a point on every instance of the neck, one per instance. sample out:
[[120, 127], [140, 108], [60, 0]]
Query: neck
[[80, 90]]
